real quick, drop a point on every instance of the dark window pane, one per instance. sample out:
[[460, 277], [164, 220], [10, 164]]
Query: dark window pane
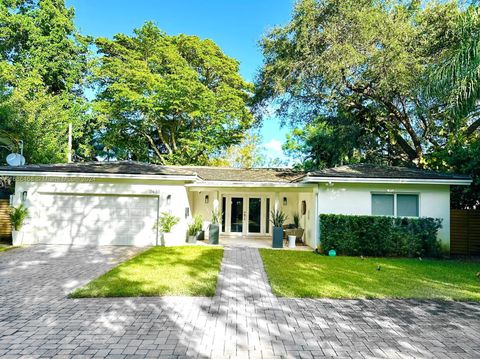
[[267, 217], [223, 209], [236, 217], [407, 205], [382, 204], [254, 214]]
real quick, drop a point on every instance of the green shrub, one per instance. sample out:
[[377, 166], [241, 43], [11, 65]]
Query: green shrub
[[278, 218], [166, 222], [18, 216], [380, 235]]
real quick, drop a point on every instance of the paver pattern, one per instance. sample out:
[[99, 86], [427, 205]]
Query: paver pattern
[[243, 320]]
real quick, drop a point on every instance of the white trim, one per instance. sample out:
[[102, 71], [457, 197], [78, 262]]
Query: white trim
[[385, 180], [247, 184], [98, 175]]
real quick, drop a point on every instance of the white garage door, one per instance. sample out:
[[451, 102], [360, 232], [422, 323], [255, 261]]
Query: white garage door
[[96, 220]]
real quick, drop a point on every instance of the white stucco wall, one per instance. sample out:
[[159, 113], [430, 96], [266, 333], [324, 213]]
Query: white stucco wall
[[276, 195], [355, 199], [307, 220], [39, 198]]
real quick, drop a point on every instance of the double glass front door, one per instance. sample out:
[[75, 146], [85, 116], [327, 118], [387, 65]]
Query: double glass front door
[[245, 214]]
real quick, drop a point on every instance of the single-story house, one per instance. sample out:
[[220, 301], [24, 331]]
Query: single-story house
[[118, 203]]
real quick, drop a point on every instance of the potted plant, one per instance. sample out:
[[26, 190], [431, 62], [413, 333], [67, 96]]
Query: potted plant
[[214, 228], [295, 232], [195, 229], [198, 220], [166, 222], [17, 219], [278, 219], [296, 220]]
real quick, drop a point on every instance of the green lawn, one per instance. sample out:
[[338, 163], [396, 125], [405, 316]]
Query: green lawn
[[305, 274], [6, 248], [159, 271]]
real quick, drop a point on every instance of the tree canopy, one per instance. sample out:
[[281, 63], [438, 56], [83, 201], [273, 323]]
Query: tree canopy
[[356, 79], [169, 99], [43, 66]]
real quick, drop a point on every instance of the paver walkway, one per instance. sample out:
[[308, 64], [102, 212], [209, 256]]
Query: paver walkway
[[243, 320]]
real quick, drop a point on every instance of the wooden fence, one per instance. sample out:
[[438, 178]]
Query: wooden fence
[[5, 227], [465, 232]]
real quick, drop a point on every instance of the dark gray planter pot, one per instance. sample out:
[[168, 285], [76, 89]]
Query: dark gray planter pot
[[213, 233], [277, 240], [200, 236]]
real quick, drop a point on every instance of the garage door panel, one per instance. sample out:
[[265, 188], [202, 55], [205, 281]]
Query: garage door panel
[[96, 220]]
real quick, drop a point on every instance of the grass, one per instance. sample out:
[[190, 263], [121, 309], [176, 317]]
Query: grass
[[308, 275], [6, 248], [160, 271]]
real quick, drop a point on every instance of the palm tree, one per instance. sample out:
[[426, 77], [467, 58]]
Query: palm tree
[[457, 75]]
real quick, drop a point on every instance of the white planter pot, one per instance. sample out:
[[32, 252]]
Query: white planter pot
[[169, 239], [291, 241], [17, 238], [192, 239]]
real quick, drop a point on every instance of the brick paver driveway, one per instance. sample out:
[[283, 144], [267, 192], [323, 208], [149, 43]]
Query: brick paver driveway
[[243, 320]]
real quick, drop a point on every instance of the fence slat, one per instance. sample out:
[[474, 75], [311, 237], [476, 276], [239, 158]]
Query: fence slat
[[5, 227], [465, 232]]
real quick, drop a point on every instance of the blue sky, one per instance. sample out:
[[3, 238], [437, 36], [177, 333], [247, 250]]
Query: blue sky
[[236, 26]]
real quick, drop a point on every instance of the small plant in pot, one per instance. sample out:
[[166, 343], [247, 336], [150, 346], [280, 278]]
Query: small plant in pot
[[17, 219], [195, 229], [296, 220], [214, 228], [166, 222], [278, 219]]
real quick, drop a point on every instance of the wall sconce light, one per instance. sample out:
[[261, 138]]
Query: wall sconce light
[[187, 212], [169, 199], [207, 199], [285, 201], [304, 208], [24, 196]]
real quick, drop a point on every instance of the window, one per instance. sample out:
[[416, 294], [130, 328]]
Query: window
[[400, 205], [407, 205], [382, 204]]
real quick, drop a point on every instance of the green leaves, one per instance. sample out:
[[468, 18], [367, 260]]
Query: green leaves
[[179, 97], [43, 64]]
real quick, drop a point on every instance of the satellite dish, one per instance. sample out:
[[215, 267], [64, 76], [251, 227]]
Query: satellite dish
[[15, 159]]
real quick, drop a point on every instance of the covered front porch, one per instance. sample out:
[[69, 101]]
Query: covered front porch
[[246, 210]]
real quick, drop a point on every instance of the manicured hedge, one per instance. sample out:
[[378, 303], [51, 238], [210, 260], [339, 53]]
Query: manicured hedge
[[379, 235]]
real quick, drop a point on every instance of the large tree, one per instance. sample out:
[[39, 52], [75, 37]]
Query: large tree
[[43, 66], [368, 59], [169, 99]]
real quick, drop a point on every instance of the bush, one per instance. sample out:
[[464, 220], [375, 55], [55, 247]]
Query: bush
[[166, 222], [380, 235], [18, 216]]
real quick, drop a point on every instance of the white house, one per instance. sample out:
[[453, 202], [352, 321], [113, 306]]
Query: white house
[[118, 203]]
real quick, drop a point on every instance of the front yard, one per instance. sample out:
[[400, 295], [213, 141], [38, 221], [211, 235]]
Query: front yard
[[4, 248], [305, 274], [160, 271]]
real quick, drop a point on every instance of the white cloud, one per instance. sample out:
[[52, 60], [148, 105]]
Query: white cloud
[[274, 145]]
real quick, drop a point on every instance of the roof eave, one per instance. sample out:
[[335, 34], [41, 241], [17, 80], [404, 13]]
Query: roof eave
[[208, 183], [439, 181], [33, 174]]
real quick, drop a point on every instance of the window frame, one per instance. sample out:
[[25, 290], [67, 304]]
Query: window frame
[[395, 194]]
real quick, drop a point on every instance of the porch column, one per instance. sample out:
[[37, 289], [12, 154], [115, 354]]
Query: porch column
[[316, 220], [216, 201], [276, 202]]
